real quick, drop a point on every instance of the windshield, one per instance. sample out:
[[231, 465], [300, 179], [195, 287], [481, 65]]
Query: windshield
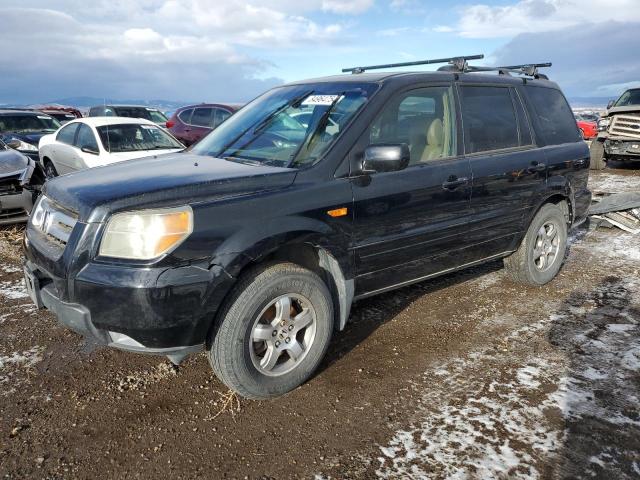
[[28, 123], [132, 112], [157, 116], [131, 137], [628, 98], [287, 126]]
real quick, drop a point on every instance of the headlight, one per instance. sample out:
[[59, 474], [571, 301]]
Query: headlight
[[603, 123], [146, 234], [24, 146]]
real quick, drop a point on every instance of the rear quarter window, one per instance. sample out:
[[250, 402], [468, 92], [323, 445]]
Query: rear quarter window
[[67, 134], [555, 118]]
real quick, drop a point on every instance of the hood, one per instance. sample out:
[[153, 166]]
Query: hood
[[630, 108], [12, 162], [160, 181], [33, 137]]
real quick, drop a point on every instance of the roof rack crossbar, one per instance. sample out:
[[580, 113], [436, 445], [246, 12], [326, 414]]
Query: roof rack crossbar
[[459, 62], [529, 69]]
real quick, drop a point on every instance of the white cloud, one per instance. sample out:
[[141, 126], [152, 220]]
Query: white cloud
[[443, 29], [350, 7], [486, 21]]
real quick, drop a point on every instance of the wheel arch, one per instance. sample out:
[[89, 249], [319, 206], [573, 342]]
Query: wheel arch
[[311, 250]]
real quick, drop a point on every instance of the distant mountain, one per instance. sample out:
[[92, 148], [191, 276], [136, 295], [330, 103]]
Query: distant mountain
[[586, 102], [84, 103]]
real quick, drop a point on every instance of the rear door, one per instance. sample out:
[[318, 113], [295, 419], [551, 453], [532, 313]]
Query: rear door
[[201, 122], [509, 171], [411, 223]]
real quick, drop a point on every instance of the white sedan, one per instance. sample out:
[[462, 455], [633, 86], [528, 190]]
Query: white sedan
[[95, 141]]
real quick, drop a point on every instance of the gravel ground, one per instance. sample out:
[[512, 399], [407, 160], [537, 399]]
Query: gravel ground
[[465, 376]]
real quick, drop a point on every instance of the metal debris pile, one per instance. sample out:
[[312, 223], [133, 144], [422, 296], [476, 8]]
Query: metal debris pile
[[617, 210]]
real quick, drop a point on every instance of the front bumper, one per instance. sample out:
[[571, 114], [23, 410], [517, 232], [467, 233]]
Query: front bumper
[[622, 148], [164, 311], [14, 208]]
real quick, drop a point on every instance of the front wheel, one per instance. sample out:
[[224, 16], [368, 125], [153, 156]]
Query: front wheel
[[541, 253], [273, 332], [49, 169]]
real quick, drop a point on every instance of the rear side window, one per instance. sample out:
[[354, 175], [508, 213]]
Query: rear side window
[[220, 116], [489, 119], [557, 123], [202, 117], [67, 134], [185, 115], [86, 138]]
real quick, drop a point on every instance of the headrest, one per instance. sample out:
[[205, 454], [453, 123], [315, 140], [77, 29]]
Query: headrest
[[435, 133]]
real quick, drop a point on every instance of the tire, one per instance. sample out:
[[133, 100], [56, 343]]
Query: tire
[[525, 265], [250, 326], [50, 169], [597, 155]]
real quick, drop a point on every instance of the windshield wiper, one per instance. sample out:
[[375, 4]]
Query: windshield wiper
[[267, 120]]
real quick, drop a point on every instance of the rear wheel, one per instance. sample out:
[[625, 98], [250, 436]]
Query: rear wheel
[[273, 331], [597, 155], [541, 253], [50, 169]]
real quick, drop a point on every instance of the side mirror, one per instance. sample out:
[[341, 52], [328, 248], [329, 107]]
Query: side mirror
[[91, 150], [385, 158], [14, 143], [610, 104]]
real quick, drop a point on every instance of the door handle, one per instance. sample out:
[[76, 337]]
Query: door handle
[[537, 167], [454, 182]]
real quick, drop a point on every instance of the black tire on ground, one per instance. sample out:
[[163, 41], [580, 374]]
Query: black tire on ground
[[597, 155], [523, 265], [49, 169], [232, 352]]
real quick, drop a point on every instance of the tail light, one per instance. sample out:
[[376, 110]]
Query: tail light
[[170, 123]]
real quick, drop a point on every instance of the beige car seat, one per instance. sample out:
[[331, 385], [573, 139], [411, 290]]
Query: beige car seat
[[435, 142]]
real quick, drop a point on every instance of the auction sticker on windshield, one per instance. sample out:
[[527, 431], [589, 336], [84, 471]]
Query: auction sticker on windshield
[[320, 100]]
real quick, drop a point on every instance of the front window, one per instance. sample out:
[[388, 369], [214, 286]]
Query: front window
[[628, 98], [131, 137], [288, 126], [28, 123]]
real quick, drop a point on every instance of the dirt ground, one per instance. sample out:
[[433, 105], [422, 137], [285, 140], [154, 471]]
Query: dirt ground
[[465, 376]]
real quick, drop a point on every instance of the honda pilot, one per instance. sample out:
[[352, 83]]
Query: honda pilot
[[253, 244]]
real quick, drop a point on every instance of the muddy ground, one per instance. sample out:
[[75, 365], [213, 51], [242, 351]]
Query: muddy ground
[[465, 376]]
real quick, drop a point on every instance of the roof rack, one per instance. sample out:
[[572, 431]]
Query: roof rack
[[460, 63], [528, 69]]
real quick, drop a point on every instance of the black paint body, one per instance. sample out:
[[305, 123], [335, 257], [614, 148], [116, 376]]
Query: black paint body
[[401, 226]]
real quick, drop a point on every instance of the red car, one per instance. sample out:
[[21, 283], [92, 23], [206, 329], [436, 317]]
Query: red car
[[62, 114], [191, 123], [588, 128]]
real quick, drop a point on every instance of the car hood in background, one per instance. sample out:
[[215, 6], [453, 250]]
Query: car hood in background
[[12, 161], [159, 181], [32, 138], [631, 108]]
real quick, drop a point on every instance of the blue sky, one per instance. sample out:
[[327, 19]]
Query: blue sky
[[231, 50]]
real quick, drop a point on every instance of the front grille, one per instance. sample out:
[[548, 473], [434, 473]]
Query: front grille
[[55, 222], [10, 186], [626, 125], [10, 213]]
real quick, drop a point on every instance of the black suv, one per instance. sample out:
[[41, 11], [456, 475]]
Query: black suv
[[131, 111], [254, 243]]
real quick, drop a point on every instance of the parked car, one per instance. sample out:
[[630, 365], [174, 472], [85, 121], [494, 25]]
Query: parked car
[[22, 129], [588, 128], [618, 131], [191, 123], [131, 111], [254, 243], [93, 142], [20, 181], [62, 114]]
